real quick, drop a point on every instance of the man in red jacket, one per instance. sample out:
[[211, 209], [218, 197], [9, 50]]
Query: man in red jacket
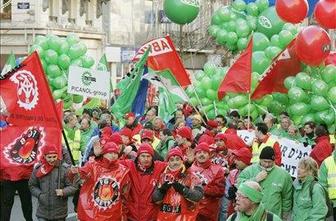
[[212, 179], [132, 123], [144, 175], [323, 147], [184, 139]]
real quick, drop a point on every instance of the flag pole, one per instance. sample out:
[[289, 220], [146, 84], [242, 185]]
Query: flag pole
[[249, 110], [215, 107]]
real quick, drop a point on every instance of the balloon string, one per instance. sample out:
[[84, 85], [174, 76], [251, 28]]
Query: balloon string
[[332, 106], [261, 108]]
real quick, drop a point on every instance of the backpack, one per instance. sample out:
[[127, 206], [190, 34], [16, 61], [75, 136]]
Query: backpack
[[269, 216], [328, 201]]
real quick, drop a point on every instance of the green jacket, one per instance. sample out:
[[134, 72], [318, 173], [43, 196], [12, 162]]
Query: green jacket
[[165, 146], [309, 206], [323, 176], [85, 138], [259, 215], [277, 188]]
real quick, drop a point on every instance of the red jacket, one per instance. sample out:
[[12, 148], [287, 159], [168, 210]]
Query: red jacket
[[104, 192], [213, 180], [139, 204], [135, 129], [184, 210], [322, 149], [233, 141]]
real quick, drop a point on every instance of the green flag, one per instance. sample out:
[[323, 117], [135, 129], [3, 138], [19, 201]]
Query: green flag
[[93, 103], [10, 64], [125, 100], [166, 105], [102, 64]]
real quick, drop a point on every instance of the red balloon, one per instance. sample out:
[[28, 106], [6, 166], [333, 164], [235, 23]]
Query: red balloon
[[293, 11], [325, 13], [313, 45]]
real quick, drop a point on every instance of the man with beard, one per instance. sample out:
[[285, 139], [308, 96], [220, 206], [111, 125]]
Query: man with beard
[[212, 179], [50, 184], [144, 175], [249, 206], [178, 191]]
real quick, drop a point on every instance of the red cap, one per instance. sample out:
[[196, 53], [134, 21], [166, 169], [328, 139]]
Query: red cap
[[128, 115], [116, 138], [106, 132], [202, 147], [212, 124], [176, 151], [110, 147], [145, 148], [243, 154], [147, 134], [49, 149], [220, 136], [126, 132], [185, 132], [206, 139]]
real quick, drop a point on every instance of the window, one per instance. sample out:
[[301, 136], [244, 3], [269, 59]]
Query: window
[[6, 9]]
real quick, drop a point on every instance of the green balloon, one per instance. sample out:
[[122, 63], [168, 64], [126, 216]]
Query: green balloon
[[303, 80], [72, 39], [64, 61], [211, 114], [262, 5], [87, 61], [275, 41], [213, 29], [194, 101], [297, 95], [77, 99], [251, 22], [221, 71], [224, 14], [199, 75], [216, 20], [281, 98], [239, 101], [44, 65], [75, 51], [266, 100], [54, 43], [276, 107], [332, 95], [216, 80], [307, 118], [243, 30], [319, 103], [326, 117], [319, 87], [42, 41], [328, 74], [38, 49], [285, 37], [83, 48], [260, 62], [239, 5], [289, 82], [51, 56], [290, 27], [272, 51], [180, 11], [231, 47], [254, 80], [232, 38], [64, 48], [269, 22], [57, 94], [242, 43], [230, 26], [77, 62], [211, 94], [221, 36], [53, 71], [210, 68], [206, 83], [260, 41], [59, 82], [252, 9], [205, 101], [299, 109]]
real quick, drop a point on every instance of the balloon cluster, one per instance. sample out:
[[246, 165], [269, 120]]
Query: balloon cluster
[[57, 54]]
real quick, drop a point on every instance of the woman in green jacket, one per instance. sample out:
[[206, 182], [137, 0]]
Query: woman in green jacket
[[309, 196], [167, 142]]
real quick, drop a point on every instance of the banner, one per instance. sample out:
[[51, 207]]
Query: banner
[[88, 82], [247, 136]]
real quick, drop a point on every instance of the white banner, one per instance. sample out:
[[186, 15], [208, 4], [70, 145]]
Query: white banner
[[90, 83], [292, 151]]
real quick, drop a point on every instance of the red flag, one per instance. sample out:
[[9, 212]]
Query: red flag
[[238, 77], [163, 56], [284, 65], [26, 98]]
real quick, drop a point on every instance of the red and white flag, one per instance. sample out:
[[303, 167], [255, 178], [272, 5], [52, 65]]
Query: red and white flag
[[163, 56], [284, 65]]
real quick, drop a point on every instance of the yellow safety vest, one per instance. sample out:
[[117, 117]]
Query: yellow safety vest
[[331, 167], [332, 139], [74, 145], [257, 148]]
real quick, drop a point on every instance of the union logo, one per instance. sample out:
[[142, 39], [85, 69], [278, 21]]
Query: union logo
[[27, 90], [106, 192]]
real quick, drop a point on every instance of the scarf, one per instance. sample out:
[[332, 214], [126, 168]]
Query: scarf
[[204, 165], [174, 174], [109, 164]]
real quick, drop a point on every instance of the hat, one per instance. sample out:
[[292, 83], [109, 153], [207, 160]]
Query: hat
[[202, 147], [110, 147], [116, 138], [185, 132], [145, 148], [206, 139], [49, 149], [126, 132], [176, 151], [147, 134], [220, 136], [128, 115], [243, 154], [267, 153], [106, 132], [197, 117], [212, 124]]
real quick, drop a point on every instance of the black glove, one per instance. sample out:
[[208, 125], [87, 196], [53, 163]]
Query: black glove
[[232, 193], [179, 187], [165, 186]]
